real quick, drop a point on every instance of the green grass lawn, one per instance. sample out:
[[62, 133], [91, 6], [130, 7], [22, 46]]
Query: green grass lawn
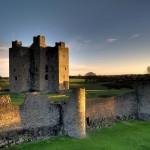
[[4, 83], [131, 135], [80, 83], [93, 90]]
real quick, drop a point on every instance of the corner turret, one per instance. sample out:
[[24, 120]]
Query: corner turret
[[16, 43], [39, 41], [61, 44]]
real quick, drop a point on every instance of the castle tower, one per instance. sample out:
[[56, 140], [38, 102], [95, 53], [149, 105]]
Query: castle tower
[[58, 62], [19, 65], [39, 67], [38, 61], [74, 114]]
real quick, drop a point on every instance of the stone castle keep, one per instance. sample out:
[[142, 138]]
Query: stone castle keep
[[38, 67]]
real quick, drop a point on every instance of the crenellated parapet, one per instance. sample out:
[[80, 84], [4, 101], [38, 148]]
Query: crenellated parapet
[[39, 41], [16, 43], [60, 44]]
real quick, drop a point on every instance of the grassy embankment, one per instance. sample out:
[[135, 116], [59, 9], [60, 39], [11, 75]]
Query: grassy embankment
[[93, 90], [132, 135]]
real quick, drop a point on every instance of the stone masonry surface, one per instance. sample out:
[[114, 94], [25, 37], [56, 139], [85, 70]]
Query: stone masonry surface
[[38, 67], [37, 118]]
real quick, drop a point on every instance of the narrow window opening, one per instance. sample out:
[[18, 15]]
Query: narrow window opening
[[15, 78], [46, 68], [52, 68], [88, 121], [46, 77], [14, 70]]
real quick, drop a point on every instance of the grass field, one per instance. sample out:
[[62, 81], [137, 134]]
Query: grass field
[[4, 83], [93, 90], [131, 135]]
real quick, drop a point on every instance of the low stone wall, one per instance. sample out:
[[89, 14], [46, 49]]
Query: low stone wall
[[37, 118], [126, 106], [104, 111], [143, 96], [9, 115]]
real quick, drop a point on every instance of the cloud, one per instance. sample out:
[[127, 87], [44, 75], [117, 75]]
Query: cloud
[[4, 59], [4, 53], [82, 69], [4, 67], [87, 41], [111, 40], [135, 36], [4, 47]]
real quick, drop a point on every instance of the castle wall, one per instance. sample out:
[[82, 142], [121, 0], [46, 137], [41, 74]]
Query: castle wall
[[37, 118], [39, 67], [53, 70], [143, 95], [126, 106], [19, 69], [103, 111], [43, 67], [63, 67], [74, 114], [35, 67]]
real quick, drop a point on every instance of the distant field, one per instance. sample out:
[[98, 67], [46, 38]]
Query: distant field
[[80, 83], [127, 135], [93, 90], [4, 83]]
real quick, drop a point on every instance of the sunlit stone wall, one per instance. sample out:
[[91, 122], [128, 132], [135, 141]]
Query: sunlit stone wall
[[9, 115], [37, 118], [74, 114]]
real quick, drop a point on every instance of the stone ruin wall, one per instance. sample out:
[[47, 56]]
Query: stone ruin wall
[[143, 97], [104, 111], [37, 118]]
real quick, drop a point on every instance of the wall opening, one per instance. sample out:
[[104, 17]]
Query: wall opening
[[15, 78], [46, 77], [88, 121], [46, 68], [14, 69]]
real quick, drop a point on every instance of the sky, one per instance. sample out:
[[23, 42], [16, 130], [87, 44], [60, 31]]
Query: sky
[[104, 36]]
